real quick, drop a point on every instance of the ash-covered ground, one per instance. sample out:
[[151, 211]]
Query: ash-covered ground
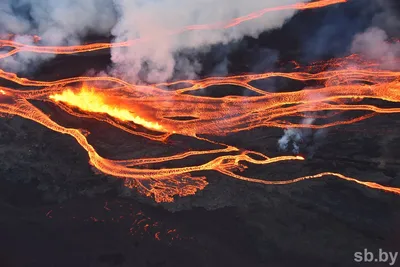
[[57, 211]]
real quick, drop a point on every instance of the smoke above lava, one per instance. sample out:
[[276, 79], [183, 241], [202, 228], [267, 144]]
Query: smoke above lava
[[336, 29], [138, 20], [373, 43], [63, 22], [68, 22], [304, 140]]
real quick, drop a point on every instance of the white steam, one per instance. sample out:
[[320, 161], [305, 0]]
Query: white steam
[[67, 22], [57, 22], [290, 137], [294, 137], [139, 19], [305, 139], [373, 44], [62, 22]]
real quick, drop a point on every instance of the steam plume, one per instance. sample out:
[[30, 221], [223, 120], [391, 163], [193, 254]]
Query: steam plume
[[62, 22], [373, 43], [66, 22], [156, 18]]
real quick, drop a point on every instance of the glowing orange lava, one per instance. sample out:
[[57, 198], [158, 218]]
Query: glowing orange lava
[[89, 100], [123, 105]]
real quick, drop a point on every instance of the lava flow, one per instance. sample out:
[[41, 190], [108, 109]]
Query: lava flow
[[88, 100], [159, 110]]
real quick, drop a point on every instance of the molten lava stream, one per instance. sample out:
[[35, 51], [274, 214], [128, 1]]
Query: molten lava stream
[[27, 110], [127, 105]]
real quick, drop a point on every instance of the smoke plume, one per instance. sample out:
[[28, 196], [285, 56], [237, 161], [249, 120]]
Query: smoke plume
[[62, 22], [302, 140], [154, 19], [333, 35], [68, 22], [373, 44], [290, 137]]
